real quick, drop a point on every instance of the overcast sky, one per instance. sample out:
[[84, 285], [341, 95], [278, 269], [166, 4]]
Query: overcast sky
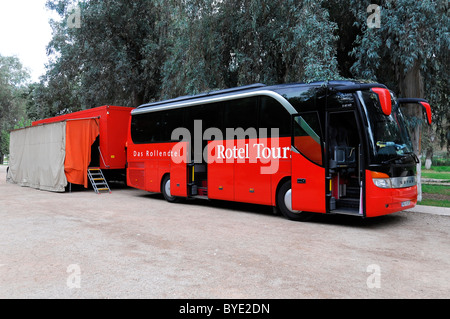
[[25, 33]]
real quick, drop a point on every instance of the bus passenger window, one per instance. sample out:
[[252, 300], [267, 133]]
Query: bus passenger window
[[242, 113], [274, 115], [145, 128], [173, 119], [307, 136]]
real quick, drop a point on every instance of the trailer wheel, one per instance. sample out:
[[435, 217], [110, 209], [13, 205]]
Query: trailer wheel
[[284, 204], [165, 189]]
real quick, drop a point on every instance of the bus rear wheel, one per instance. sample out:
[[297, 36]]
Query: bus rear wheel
[[165, 190], [284, 202]]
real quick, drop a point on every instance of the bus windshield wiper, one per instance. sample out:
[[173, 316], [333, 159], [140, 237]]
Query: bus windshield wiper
[[392, 159], [403, 156]]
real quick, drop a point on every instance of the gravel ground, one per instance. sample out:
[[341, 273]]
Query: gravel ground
[[131, 244]]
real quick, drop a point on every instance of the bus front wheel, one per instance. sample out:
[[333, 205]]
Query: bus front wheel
[[165, 189], [284, 202]]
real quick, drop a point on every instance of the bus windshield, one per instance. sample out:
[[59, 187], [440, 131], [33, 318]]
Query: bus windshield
[[388, 135]]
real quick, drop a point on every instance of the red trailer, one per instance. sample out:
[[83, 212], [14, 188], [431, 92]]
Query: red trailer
[[113, 127], [94, 137]]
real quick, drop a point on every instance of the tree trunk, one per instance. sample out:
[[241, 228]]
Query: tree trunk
[[429, 152], [411, 86], [138, 98], [429, 157]]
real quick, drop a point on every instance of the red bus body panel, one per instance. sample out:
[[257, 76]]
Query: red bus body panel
[[114, 126], [147, 165], [220, 173], [252, 174], [248, 180], [381, 201]]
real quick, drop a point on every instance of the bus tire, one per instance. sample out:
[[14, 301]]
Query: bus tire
[[165, 190], [283, 198]]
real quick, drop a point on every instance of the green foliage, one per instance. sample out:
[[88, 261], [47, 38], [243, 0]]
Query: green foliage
[[114, 57], [443, 168], [22, 122], [13, 78], [410, 30], [436, 189], [436, 174], [441, 164], [436, 195], [413, 34], [238, 42], [435, 202], [4, 144], [130, 52]]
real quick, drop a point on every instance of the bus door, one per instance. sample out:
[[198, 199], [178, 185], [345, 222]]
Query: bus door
[[308, 172], [344, 162]]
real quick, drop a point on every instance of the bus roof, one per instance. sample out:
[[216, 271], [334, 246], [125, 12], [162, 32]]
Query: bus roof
[[345, 86], [207, 94]]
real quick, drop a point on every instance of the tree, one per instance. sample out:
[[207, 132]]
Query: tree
[[131, 52], [113, 56], [13, 78], [409, 52], [219, 44]]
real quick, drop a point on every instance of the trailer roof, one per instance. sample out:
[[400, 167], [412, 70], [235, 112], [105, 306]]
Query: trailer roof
[[95, 112]]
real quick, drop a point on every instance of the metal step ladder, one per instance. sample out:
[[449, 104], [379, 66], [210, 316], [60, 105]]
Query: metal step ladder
[[98, 180]]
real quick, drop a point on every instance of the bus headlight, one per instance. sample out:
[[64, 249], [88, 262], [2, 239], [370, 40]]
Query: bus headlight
[[381, 180]]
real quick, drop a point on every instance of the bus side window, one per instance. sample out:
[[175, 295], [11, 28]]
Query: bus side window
[[274, 115], [145, 128], [242, 113], [205, 116], [209, 114], [307, 136], [157, 129], [138, 125], [173, 119]]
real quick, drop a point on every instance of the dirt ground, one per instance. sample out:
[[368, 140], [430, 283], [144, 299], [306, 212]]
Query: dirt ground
[[436, 196], [131, 244]]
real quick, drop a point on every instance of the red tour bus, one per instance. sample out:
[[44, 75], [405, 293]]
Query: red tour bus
[[335, 147]]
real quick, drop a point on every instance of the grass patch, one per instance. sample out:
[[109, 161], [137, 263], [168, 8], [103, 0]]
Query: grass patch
[[428, 173], [435, 202], [436, 189], [435, 195], [441, 168]]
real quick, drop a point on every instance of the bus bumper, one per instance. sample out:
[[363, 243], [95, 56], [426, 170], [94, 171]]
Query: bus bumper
[[381, 201]]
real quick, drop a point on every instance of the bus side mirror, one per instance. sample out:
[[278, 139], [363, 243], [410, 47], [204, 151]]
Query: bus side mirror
[[385, 100], [422, 102], [427, 107]]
